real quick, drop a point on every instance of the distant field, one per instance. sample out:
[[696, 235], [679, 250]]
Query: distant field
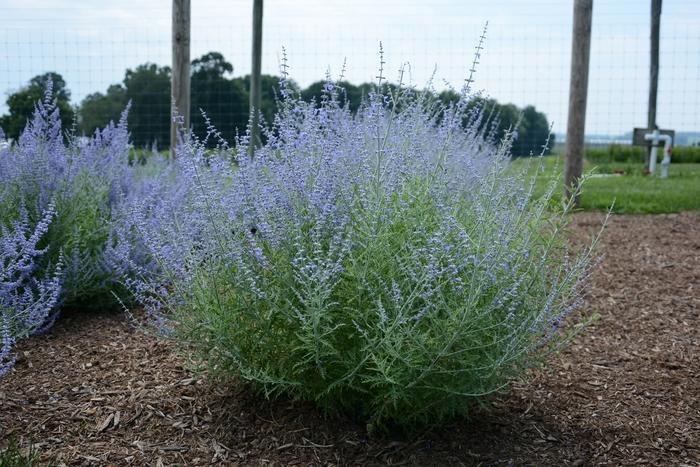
[[625, 185]]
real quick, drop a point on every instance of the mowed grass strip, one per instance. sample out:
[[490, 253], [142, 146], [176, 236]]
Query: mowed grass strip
[[623, 184]]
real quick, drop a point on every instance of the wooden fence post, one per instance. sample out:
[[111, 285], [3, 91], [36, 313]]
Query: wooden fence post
[[255, 79], [180, 84], [653, 68], [578, 90]]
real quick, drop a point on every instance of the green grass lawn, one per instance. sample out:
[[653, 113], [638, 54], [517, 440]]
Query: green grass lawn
[[629, 189]]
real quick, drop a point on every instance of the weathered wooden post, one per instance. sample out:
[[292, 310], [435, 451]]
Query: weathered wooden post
[[180, 83], [653, 70], [255, 80], [578, 91]]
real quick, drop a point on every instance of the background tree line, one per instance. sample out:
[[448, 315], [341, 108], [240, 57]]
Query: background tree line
[[225, 100]]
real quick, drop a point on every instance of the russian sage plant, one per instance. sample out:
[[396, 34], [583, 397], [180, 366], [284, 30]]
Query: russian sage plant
[[62, 200], [84, 179], [386, 263], [27, 302]]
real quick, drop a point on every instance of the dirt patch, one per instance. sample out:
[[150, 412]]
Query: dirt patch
[[96, 391]]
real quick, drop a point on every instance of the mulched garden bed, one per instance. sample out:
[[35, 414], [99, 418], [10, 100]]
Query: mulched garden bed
[[97, 391]]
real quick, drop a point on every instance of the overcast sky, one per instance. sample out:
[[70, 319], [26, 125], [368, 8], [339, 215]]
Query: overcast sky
[[526, 60]]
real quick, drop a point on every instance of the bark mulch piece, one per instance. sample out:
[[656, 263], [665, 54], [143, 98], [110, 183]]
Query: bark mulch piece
[[97, 391]]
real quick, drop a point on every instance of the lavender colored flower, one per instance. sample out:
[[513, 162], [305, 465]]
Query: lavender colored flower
[[61, 202], [28, 303], [86, 180], [386, 261]]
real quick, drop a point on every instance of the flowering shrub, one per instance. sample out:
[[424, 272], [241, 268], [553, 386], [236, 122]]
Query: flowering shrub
[[60, 204], [84, 179], [27, 303], [385, 262]]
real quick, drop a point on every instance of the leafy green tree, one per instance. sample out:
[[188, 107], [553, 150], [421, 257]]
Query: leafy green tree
[[212, 65], [97, 109], [535, 129], [22, 102], [530, 127], [223, 99], [148, 88]]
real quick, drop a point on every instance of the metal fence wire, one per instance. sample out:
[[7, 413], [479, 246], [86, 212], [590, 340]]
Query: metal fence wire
[[102, 56]]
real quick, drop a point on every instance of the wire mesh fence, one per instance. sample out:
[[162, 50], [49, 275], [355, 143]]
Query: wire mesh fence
[[109, 55]]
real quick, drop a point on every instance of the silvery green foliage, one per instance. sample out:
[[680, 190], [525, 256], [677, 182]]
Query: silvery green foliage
[[27, 302], [85, 179], [59, 196], [386, 263]]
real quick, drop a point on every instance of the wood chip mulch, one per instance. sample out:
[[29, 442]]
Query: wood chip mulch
[[97, 391]]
